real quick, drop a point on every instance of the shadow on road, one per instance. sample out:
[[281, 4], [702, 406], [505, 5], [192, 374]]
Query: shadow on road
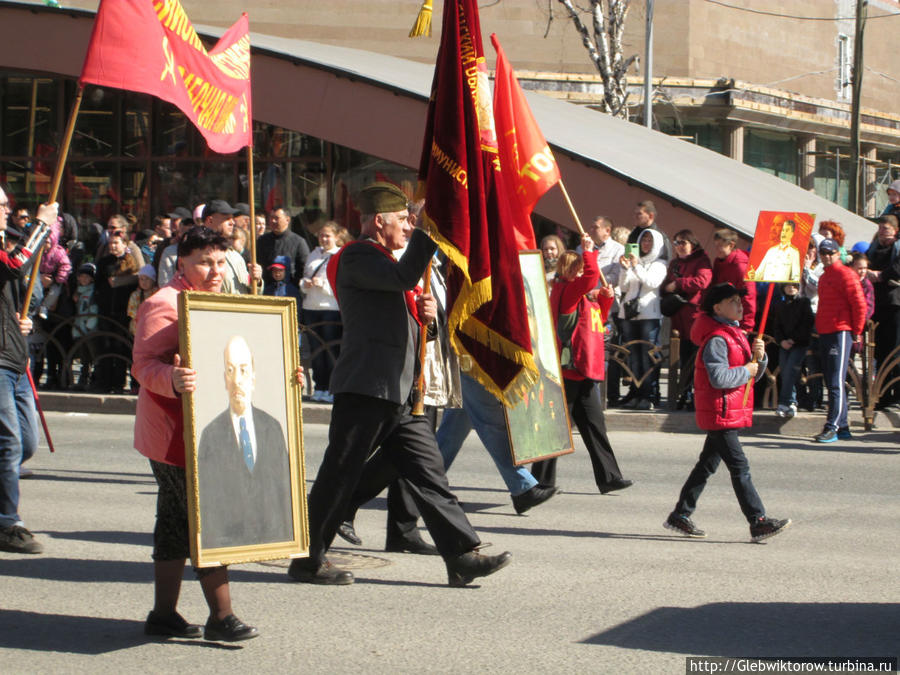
[[79, 634], [676, 538], [761, 629], [870, 443], [105, 537]]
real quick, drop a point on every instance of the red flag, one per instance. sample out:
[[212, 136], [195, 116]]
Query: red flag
[[528, 164], [467, 212], [151, 47]]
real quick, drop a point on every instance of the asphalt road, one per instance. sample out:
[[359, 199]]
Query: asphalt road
[[596, 584]]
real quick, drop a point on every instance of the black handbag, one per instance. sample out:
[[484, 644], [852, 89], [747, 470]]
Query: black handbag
[[670, 303], [631, 308]]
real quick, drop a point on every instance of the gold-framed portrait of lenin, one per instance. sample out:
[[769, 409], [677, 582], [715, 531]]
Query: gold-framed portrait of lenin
[[246, 482], [538, 426]]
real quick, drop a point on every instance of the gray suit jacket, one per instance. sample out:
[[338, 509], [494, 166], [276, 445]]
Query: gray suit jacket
[[239, 507], [378, 348]]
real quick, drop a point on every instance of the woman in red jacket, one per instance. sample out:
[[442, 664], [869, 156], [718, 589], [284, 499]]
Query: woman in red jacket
[[689, 276], [580, 312]]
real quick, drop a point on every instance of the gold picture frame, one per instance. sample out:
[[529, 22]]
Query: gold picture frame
[[539, 426], [246, 499]]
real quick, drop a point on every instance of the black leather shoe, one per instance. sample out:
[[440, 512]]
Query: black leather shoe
[[171, 625], [229, 629], [325, 574], [618, 484], [536, 495], [347, 533], [466, 567], [410, 545]]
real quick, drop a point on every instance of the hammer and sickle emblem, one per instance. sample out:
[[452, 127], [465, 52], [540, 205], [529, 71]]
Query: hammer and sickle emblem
[[170, 62]]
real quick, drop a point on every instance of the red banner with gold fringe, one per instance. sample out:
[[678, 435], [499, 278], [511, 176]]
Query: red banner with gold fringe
[[467, 212]]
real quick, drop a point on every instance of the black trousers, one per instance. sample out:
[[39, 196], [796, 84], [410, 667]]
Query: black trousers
[[586, 411], [360, 425], [722, 446]]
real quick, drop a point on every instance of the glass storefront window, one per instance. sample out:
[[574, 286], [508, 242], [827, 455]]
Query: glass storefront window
[[832, 179], [771, 152]]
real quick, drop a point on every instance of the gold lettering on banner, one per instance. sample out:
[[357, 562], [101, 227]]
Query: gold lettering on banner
[[174, 19], [214, 108], [235, 60], [541, 162], [448, 164], [169, 68], [597, 321]]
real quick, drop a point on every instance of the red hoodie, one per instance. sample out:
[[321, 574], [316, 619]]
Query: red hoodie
[[732, 269]]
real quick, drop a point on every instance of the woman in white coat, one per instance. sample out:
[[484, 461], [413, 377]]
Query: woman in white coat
[[639, 284]]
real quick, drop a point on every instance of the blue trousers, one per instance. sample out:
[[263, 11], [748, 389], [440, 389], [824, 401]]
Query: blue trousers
[[18, 439], [484, 413], [835, 351]]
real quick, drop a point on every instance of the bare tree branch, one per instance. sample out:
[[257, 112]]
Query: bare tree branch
[[604, 46]]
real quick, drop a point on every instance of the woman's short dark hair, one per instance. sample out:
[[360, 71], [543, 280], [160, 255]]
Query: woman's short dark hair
[[689, 236], [201, 237]]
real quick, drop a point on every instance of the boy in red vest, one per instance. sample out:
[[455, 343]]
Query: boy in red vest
[[722, 369]]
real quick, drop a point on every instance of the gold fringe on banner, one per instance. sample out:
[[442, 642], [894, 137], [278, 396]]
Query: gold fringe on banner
[[422, 26]]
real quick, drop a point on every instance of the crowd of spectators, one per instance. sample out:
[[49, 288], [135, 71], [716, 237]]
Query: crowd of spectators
[[652, 284], [94, 278]]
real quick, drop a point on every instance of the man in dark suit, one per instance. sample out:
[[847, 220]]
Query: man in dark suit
[[243, 466], [372, 383]]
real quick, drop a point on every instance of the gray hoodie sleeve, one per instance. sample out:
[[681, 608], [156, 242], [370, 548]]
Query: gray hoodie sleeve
[[721, 375]]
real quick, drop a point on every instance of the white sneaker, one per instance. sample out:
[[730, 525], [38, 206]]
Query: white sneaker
[[317, 395], [782, 411], [792, 411], [327, 397]]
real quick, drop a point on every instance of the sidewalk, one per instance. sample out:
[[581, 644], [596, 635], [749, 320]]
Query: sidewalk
[[764, 421]]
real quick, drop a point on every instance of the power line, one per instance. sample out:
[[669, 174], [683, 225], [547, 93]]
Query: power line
[[794, 16]]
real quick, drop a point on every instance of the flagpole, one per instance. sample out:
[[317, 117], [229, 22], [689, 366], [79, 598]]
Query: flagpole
[[54, 191], [252, 232], [419, 397], [565, 192]]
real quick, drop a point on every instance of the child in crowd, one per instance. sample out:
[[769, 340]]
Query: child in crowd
[[723, 367], [792, 321], [85, 321], [279, 285], [146, 287], [860, 265]]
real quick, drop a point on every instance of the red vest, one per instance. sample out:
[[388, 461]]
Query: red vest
[[720, 408]]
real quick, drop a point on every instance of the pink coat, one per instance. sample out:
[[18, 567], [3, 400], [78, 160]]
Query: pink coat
[[159, 422]]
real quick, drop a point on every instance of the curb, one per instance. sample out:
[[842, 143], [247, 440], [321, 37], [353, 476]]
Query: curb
[[805, 424]]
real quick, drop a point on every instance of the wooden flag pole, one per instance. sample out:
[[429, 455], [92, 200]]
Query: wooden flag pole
[[419, 396], [581, 231], [762, 327], [54, 191], [252, 233]]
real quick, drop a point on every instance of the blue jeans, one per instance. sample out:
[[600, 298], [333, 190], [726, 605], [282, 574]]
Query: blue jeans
[[485, 413], [835, 351], [639, 359], [790, 361], [18, 439]]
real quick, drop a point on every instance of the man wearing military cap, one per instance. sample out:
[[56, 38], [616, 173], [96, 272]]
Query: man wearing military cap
[[372, 385]]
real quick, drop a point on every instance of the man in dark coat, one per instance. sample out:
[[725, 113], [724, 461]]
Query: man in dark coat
[[243, 466], [281, 241], [372, 385]]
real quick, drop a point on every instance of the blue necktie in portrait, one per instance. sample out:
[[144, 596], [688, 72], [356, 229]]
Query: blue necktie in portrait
[[246, 447]]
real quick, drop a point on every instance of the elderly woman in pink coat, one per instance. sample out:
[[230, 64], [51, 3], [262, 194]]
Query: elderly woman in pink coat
[[158, 435]]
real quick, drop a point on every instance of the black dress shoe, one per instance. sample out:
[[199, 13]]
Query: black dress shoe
[[171, 625], [618, 484], [325, 574], [536, 495], [347, 533], [410, 545], [229, 629], [466, 567]]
